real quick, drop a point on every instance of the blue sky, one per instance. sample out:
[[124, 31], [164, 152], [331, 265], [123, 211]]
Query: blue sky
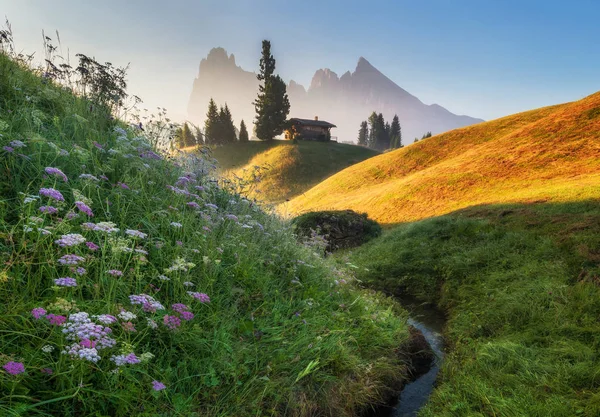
[[484, 58]]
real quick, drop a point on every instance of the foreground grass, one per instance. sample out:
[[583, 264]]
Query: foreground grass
[[269, 328], [521, 287], [548, 154], [287, 169]]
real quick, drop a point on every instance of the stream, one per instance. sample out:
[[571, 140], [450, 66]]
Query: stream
[[415, 394]]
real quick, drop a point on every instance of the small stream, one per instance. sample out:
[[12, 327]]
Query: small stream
[[416, 393]]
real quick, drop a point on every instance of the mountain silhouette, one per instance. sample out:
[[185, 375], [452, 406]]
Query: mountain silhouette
[[344, 101]]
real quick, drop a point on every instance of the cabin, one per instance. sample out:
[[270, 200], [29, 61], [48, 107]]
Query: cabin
[[309, 129]]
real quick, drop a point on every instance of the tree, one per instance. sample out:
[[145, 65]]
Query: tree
[[373, 127], [243, 137], [363, 134], [211, 125], [395, 133], [178, 138], [272, 104], [187, 136], [382, 140], [226, 130], [199, 135], [426, 135]]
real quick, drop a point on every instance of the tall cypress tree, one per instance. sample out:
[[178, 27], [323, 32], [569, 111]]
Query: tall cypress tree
[[243, 137], [211, 125], [363, 134], [226, 126], [395, 133], [272, 104]]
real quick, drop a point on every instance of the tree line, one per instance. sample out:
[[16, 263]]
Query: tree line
[[272, 107], [378, 134]]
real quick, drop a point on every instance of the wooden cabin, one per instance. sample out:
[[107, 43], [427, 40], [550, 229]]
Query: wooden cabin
[[309, 129]]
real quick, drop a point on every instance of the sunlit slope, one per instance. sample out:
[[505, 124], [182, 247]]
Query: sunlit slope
[[552, 153], [288, 169]]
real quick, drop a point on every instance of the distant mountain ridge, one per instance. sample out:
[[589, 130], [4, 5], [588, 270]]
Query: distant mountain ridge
[[344, 101]]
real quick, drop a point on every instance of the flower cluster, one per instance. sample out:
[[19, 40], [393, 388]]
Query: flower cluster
[[200, 296], [88, 337], [71, 259], [57, 173], [129, 359], [148, 303], [51, 193], [48, 209], [66, 282], [105, 227], [14, 368], [136, 233], [84, 208], [71, 239]]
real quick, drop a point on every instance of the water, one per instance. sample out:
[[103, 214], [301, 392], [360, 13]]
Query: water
[[415, 394]]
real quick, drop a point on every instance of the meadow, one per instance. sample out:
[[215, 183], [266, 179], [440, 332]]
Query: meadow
[[135, 283]]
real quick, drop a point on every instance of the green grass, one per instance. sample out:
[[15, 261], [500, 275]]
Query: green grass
[[281, 335], [288, 169], [521, 287]]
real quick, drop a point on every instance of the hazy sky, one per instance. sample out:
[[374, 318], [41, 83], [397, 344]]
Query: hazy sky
[[484, 58]]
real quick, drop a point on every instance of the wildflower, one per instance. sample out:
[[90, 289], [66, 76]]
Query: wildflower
[[150, 155], [48, 348], [128, 327], [38, 313], [35, 219], [136, 233], [71, 215], [57, 173], [14, 368], [51, 193], [72, 239], [152, 324], [171, 322], [66, 282], [200, 296], [44, 231], [97, 145], [179, 308], [88, 177], [158, 386], [187, 315], [148, 303], [17, 144], [212, 206], [199, 188], [188, 284], [56, 320], [63, 152], [231, 217], [8, 149], [84, 208], [106, 318], [164, 278], [70, 259], [79, 271], [127, 315], [115, 272], [47, 371], [129, 359], [123, 186], [179, 243], [176, 225], [48, 209], [77, 351], [193, 205], [106, 227], [92, 246]]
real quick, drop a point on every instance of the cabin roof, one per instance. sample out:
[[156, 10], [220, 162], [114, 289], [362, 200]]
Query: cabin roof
[[311, 122]]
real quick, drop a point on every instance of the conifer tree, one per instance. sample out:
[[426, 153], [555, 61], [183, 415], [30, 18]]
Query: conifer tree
[[272, 104], [211, 125], [363, 134], [395, 133], [226, 129], [178, 138], [199, 136], [373, 127], [243, 136], [188, 138], [382, 141]]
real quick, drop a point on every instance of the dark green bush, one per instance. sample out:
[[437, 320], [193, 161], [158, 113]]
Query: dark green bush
[[341, 229]]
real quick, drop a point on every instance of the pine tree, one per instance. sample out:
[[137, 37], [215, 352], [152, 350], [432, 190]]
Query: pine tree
[[426, 135], [199, 136], [211, 125], [243, 137], [363, 134], [178, 138], [188, 138], [373, 127], [272, 104], [226, 127], [382, 141], [395, 133]]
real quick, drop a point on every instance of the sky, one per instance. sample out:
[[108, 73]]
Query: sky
[[483, 58]]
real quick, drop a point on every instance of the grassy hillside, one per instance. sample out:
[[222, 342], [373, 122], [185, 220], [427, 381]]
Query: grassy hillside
[[287, 169], [548, 154], [133, 285], [521, 287]]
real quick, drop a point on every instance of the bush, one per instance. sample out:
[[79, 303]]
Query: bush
[[341, 229]]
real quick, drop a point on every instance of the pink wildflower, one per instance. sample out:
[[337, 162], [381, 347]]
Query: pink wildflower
[[129, 327], [187, 315], [172, 322], [56, 320], [158, 386], [38, 313], [200, 296], [84, 208], [115, 272], [14, 368], [92, 246]]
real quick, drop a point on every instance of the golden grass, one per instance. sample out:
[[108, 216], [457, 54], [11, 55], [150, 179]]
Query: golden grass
[[548, 154]]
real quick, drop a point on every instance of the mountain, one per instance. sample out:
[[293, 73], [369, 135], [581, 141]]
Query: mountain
[[344, 101], [548, 154]]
